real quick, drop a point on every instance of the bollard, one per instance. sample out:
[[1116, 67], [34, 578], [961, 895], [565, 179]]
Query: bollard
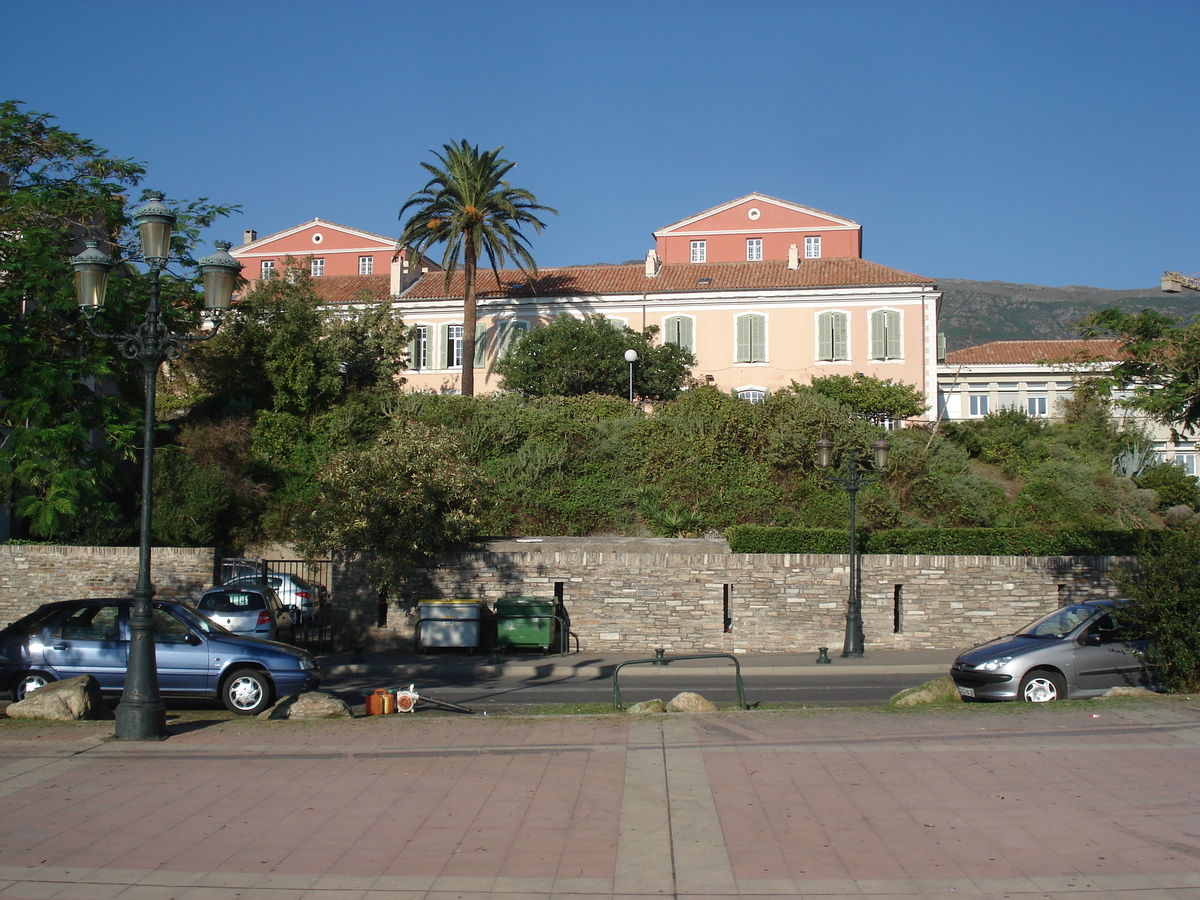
[[823, 659], [659, 659]]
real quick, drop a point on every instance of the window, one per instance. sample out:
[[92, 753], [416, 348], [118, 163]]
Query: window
[[753, 249], [1186, 461], [698, 251], [979, 404], [454, 348], [497, 340], [366, 265], [418, 348], [680, 330], [91, 623], [1008, 396], [268, 269], [832, 343], [318, 268], [751, 338], [1037, 406], [753, 395], [885, 334], [812, 247]]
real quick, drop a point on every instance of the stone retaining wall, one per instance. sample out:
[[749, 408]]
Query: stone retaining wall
[[31, 575], [638, 595]]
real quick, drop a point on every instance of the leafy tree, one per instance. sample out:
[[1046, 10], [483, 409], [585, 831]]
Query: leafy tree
[[572, 357], [410, 494], [879, 400], [1174, 486], [1161, 362], [468, 206]]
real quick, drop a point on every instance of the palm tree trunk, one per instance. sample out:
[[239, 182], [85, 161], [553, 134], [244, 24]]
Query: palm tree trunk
[[469, 315]]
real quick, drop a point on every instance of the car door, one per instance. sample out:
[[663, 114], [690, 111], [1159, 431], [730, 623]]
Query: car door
[[1108, 655], [182, 657], [88, 642]]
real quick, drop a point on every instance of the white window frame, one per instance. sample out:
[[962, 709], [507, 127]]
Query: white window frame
[[317, 268], [751, 394], [750, 339], [267, 269], [1037, 405], [366, 265], [418, 349], [978, 404], [812, 247], [454, 346], [1186, 460], [699, 251], [680, 330], [753, 249], [833, 346]]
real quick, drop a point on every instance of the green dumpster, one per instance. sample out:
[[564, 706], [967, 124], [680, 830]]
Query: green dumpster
[[525, 622]]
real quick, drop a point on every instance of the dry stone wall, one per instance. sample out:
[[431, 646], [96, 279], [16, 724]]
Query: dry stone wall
[[31, 575], [639, 595]]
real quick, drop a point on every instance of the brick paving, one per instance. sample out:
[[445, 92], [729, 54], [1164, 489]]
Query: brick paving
[[1101, 799]]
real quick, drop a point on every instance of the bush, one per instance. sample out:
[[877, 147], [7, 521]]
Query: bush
[[1174, 486]]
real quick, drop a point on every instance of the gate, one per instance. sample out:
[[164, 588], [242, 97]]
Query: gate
[[315, 632]]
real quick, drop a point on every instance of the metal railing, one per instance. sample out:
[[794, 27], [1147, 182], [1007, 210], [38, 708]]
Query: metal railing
[[563, 642], [661, 660]]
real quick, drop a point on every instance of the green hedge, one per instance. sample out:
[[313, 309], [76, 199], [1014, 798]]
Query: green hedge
[[943, 541]]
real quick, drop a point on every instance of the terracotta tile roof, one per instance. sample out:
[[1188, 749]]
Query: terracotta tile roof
[[1036, 352], [352, 288], [630, 278]]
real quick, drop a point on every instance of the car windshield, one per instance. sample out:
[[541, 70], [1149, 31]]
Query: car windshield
[[1060, 623], [199, 621]]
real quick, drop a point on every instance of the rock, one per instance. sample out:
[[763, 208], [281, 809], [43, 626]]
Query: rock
[[313, 705], [66, 700], [645, 707], [1127, 691], [689, 702], [940, 690]]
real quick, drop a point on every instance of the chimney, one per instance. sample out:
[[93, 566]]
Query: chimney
[[653, 263], [793, 257], [249, 235], [396, 283]]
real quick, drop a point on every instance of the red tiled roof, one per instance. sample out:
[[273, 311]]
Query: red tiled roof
[[352, 288], [630, 278], [1036, 352]]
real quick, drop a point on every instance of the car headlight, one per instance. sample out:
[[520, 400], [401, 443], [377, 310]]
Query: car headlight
[[993, 664], [306, 663]]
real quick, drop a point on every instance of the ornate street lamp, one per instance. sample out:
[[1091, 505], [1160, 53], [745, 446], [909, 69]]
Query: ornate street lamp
[[852, 482], [141, 714]]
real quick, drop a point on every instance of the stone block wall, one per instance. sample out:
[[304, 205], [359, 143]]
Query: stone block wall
[[31, 575], [628, 595]]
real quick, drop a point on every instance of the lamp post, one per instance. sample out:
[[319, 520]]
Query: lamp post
[[141, 714], [851, 483], [631, 357]]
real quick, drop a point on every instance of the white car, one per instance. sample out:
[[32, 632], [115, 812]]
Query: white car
[[296, 593]]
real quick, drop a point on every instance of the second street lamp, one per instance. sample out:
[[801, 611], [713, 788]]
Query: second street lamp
[[141, 714], [851, 482]]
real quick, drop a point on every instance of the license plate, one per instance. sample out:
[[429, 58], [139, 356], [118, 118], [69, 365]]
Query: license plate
[[966, 691]]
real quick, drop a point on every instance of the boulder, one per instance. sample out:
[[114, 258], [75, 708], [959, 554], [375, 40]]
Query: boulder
[[940, 690], [1128, 691], [690, 702], [646, 707], [313, 705], [66, 700]]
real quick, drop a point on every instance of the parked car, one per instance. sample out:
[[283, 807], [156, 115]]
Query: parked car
[[255, 611], [196, 657], [293, 590], [236, 567], [1078, 651]]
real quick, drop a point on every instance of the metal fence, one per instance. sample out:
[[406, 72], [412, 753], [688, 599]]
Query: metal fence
[[313, 632]]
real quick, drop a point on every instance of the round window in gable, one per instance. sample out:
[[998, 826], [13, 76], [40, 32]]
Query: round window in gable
[[753, 213], [318, 237]]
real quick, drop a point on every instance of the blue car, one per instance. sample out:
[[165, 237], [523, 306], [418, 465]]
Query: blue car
[[196, 657]]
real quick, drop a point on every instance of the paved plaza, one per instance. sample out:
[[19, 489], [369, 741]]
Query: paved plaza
[[1099, 799]]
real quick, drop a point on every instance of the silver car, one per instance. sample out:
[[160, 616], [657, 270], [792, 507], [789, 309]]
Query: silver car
[[250, 611], [1078, 651], [296, 593]]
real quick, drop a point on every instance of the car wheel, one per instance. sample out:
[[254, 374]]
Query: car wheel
[[247, 692], [1042, 686], [29, 681]]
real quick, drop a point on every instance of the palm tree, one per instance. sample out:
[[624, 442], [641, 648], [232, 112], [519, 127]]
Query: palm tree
[[469, 206]]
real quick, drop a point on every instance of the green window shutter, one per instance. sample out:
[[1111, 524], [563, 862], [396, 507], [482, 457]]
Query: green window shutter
[[743, 339], [893, 335], [751, 338], [825, 336], [483, 334], [510, 333], [443, 347], [679, 330], [841, 348], [879, 334]]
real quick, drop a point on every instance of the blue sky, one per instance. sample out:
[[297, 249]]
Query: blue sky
[[1038, 142]]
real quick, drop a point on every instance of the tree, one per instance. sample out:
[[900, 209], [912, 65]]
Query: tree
[[574, 356], [468, 206], [879, 400], [1161, 362]]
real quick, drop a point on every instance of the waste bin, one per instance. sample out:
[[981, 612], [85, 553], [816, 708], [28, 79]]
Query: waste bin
[[448, 623], [525, 622]]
